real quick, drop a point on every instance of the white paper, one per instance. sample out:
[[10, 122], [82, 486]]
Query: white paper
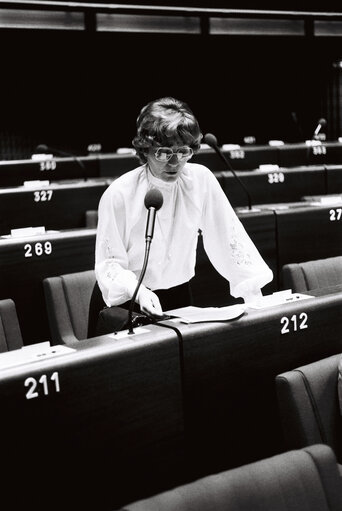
[[193, 314], [278, 298], [32, 353]]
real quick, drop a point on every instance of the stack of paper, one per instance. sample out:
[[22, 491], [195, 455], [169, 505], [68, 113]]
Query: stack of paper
[[193, 314]]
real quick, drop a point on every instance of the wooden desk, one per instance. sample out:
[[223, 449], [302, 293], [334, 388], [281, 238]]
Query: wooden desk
[[230, 405], [26, 261], [59, 205], [94, 428]]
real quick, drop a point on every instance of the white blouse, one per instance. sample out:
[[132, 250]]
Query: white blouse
[[194, 201]]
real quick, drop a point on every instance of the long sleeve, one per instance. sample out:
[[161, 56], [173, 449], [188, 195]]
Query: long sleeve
[[116, 281], [229, 247]]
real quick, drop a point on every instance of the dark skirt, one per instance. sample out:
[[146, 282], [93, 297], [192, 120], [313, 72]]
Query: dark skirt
[[172, 298]]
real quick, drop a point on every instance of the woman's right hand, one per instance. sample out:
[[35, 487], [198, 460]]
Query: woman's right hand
[[149, 303]]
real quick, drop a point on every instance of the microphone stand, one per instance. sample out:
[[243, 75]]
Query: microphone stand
[[142, 274], [77, 159], [221, 155], [58, 152]]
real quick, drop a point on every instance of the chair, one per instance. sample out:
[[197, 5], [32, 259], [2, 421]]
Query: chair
[[309, 407], [10, 333], [91, 218], [295, 480], [310, 275], [73, 302]]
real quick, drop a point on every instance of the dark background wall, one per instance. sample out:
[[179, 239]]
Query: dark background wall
[[69, 89]]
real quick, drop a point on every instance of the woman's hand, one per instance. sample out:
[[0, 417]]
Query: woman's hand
[[149, 303]]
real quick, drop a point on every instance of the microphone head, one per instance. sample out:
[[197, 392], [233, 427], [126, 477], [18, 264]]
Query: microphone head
[[322, 122], [210, 139], [42, 148], [154, 199]]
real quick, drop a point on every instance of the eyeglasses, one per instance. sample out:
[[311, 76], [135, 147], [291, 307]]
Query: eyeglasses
[[166, 153]]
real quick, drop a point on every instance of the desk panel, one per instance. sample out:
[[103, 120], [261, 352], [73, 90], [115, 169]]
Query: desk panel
[[334, 152], [94, 428], [15, 172], [294, 155], [26, 261], [308, 233], [334, 178], [114, 165], [243, 158], [281, 185], [60, 205], [230, 403]]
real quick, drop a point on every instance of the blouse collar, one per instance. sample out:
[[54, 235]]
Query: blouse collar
[[160, 183]]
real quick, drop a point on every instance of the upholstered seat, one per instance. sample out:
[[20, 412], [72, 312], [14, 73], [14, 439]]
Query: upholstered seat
[[309, 406], [296, 480], [310, 275], [10, 333], [73, 302]]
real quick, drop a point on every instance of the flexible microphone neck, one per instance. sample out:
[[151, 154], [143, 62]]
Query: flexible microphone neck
[[211, 140], [321, 124], [142, 274], [153, 201], [42, 148]]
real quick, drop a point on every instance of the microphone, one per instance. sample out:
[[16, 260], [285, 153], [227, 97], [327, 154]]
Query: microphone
[[153, 202], [43, 148], [321, 124], [211, 140]]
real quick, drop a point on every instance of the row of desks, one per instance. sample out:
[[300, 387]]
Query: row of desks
[[15, 172], [120, 417], [63, 204], [282, 233]]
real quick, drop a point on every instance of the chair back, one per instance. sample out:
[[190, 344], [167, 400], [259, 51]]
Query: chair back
[[294, 480], [10, 333], [308, 405], [310, 275], [73, 302]]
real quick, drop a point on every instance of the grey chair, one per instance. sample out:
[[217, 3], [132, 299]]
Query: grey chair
[[73, 302], [91, 217], [310, 275], [295, 480], [10, 333], [309, 406]]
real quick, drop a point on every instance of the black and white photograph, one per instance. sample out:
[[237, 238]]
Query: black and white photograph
[[171, 255]]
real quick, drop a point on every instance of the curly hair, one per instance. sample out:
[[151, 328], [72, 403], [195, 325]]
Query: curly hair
[[163, 121]]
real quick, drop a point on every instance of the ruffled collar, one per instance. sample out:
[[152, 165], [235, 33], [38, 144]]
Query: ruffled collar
[[154, 181]]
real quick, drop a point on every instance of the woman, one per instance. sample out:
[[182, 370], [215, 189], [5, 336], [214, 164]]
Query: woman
[[167, 136]]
